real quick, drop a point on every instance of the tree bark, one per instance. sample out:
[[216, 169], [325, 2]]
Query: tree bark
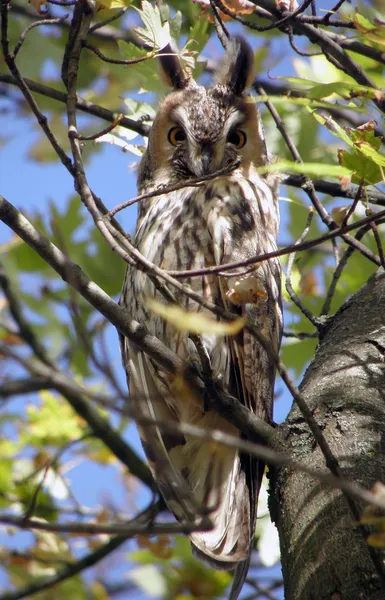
[[324, 554]]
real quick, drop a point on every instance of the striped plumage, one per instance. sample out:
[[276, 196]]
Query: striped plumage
[[230, 218]]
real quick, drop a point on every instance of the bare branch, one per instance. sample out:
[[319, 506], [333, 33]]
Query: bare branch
[[24, 328], [335, 189], [194, 182], [28, 29], [239, 415], [88, 561], [289, 288], [113, 61], [10, 62], [378, 218], [83, 105], [125, 529]]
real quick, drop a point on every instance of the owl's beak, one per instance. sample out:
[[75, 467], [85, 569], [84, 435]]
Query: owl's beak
[[207, 152]]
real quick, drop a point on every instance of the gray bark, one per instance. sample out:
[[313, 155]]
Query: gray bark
[[324, 554]]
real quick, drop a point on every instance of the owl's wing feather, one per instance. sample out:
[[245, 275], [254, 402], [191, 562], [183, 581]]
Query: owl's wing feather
[[148, 404], [191, 474], [252, 372]]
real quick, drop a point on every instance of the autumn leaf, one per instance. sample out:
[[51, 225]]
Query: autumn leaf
[[194, 322], [39, 5], [111, 4]]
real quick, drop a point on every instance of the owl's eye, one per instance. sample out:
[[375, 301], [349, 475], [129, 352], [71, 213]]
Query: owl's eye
[[176, 135], [237, 138]]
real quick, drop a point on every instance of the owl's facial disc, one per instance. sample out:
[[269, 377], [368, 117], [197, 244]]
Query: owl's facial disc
[[194, 157]]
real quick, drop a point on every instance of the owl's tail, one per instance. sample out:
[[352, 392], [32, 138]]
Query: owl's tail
[[229, 543]]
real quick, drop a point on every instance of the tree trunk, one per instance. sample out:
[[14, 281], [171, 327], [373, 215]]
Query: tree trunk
[[324, 554]]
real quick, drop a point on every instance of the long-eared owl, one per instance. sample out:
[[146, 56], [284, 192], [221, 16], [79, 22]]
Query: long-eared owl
[[232, 217]]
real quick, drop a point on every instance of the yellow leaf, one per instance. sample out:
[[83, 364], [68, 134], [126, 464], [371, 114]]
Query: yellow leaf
[[109, 4], [339, 213], [99, 592], [376, 539], [308, 284], [194, 322]]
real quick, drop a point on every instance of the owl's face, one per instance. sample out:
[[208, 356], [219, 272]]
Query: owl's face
[[198, 131]]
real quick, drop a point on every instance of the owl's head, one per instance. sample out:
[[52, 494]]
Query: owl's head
[[198, 131]]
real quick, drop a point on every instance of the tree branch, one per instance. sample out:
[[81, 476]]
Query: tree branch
[[83, 105], [78, 567], [238, 414]]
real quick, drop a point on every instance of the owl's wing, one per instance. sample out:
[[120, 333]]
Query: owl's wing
[[257, 297], [191, 474], [148, 405]]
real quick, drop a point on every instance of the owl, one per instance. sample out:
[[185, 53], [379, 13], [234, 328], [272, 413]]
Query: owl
[[231, 217]]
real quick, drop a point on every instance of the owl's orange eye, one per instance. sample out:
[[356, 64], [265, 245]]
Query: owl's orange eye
[[176, 135], [237, 138]]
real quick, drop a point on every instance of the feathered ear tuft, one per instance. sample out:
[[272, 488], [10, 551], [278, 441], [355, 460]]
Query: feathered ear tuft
[[237, 68], [172, 72]]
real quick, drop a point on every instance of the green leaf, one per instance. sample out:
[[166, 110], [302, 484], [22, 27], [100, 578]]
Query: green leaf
[[364, 169], [143, 75], [310, 169], [156, 33], [308, 102], [296, 354], [69, 219], [333, 127], [199, 34], [373, 32], [7, 456], [51, 423]]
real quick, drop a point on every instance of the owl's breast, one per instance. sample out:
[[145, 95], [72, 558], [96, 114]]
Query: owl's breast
[[173, 233], [188, 229]]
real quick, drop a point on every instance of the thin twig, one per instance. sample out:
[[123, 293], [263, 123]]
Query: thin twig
[[378, 243], [126, 529], [41, 119], [308, 186], [335, 189], [166, 189], [78, 567], [111, 19], [353, 205], [218, 270], [289, 288], [115, 61], [332, 11], [220, 28], [295, 47], [81, 104], [97, 135], [25, 330], [32, 504], [28, 29]]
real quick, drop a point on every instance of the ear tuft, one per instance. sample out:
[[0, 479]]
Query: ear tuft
[[172, 72], [237, 68]]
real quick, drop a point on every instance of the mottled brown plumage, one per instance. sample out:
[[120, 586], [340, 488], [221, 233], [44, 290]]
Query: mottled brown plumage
[[199, 131]]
